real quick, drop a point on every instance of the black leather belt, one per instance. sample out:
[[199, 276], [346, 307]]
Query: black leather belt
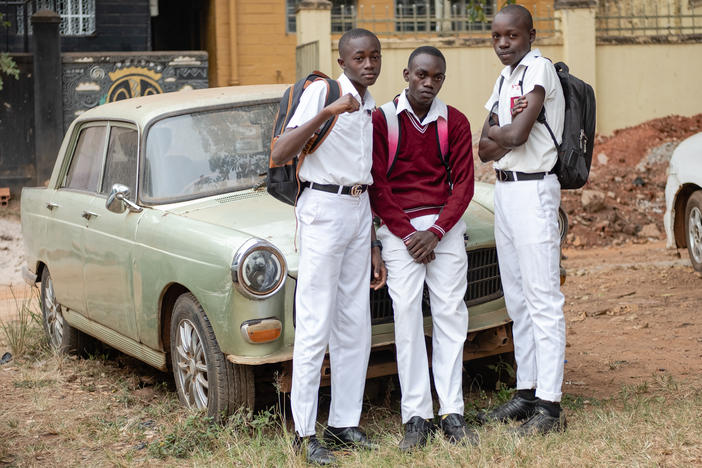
[[354, 190], [514, 176]]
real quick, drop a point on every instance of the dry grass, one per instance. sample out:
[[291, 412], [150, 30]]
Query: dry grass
[[108, 409]]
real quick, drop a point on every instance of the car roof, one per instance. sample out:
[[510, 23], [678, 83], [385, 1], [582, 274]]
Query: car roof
[[143, 109]]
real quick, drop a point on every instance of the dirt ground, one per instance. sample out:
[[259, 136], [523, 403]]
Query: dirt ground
[[632, 306]]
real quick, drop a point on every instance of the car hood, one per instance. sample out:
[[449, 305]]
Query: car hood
[[257, 214], [250, 212]]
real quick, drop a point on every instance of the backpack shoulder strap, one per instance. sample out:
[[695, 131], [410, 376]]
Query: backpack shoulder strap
[[333, 93], [442, 137], [389, 110]]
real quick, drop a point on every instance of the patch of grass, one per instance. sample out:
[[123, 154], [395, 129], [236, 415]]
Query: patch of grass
[[34, 383], [24, 334]]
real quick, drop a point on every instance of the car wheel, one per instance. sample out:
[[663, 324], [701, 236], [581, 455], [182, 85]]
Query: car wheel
[[62, 336], [204, 378], [693, 227]]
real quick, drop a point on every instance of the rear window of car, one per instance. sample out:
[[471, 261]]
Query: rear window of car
[[206, 153]]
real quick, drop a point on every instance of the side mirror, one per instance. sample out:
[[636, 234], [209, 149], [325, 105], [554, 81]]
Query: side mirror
[[118, 200]]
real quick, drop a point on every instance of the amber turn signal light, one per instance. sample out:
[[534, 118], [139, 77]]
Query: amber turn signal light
[[261, 330]]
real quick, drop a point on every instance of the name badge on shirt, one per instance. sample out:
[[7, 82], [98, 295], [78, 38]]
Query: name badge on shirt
[[512, 101]]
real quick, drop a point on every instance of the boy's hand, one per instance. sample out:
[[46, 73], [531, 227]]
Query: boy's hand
[[346, 103], [519, 105], [421, 246], [379, 273]]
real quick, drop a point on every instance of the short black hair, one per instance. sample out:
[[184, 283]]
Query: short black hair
[[519, 12], [425, 50], [355, 34]]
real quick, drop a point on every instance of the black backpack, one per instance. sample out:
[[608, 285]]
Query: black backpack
[[283, 182], [577, 140]]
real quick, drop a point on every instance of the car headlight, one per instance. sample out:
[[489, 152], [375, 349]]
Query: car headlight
[[258, 269]]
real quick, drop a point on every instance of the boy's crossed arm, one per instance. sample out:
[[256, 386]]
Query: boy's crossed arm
[[496, 140]]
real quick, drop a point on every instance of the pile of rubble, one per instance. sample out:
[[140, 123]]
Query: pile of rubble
[[624, 199]]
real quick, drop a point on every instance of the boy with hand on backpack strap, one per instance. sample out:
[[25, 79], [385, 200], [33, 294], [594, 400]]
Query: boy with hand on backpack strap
[[527, 197], [422, 237], [332, 300]]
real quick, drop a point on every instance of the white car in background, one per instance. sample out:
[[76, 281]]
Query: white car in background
[[683, 199]]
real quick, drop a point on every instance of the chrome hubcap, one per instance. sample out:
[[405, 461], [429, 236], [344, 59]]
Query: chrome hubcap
[[52, 315], [694, 234], [191, 367]]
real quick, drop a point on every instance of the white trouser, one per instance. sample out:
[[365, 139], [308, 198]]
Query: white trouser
[[528, 248], [446, 279], [332, 306]]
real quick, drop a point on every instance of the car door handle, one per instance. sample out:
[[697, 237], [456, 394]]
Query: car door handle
[[51, 206], [89, 214]]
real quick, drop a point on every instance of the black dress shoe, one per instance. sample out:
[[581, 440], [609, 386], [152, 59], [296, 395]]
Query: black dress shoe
[[348, 437], [417, 431], [543, 422], [517, 409], [454, 428], [317, 454]]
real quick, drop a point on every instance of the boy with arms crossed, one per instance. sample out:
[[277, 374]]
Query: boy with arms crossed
[[422, 238], [332, 301], [527, 196]]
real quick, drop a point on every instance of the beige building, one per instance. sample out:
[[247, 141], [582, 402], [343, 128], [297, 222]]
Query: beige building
[[641, 56], [254, 41]]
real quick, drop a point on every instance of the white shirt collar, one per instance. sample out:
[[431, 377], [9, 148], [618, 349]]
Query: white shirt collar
[[347, 87], [437, 109], [527, 60]]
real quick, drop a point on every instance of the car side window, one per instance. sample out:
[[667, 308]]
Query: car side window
[[121, 161], [86, 164]]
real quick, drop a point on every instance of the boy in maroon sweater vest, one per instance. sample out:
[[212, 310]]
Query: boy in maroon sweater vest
[[420, 202]]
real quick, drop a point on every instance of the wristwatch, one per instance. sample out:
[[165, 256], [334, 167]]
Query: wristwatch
[[376, 243]]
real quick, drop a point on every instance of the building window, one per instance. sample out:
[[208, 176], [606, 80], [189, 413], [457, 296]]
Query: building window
[[343, 15], [77, 16], [428, 15]]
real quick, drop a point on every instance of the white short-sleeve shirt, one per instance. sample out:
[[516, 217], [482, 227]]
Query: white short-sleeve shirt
[[345, 156], [539, 153]]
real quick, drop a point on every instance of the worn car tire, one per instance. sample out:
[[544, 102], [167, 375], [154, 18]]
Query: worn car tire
[[693, 229], [62, 336], [204, 377]]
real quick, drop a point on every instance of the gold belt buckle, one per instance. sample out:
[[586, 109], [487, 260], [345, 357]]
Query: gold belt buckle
[[356, 190]]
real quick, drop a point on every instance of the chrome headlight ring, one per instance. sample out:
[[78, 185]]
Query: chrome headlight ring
[[258, 269]]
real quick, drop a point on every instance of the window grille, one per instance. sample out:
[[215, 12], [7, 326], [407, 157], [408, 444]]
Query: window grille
[[77, 16]]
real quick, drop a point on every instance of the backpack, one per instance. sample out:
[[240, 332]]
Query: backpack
[[283, 182], [389, 110], [577, 141]]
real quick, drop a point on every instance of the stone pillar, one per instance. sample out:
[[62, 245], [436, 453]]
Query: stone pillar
[[48, 92], [579, 37], [314, 25]]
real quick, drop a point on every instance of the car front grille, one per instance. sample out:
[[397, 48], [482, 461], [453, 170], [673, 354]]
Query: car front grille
[[484, 285]]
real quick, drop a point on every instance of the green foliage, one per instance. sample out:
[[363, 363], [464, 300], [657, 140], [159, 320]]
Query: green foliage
[[7, 65]]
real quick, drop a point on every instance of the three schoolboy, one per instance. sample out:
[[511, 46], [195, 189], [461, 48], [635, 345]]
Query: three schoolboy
[[420, 206]]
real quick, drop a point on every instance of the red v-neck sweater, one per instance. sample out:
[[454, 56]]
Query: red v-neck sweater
[[418, 184]]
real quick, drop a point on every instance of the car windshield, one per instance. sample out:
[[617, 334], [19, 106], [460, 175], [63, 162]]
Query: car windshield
[[206, 153]]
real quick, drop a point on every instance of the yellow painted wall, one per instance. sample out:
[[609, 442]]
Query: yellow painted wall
[[639, 82], [264, 52]]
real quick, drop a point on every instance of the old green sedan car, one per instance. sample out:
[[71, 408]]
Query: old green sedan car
[[156, 236]]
